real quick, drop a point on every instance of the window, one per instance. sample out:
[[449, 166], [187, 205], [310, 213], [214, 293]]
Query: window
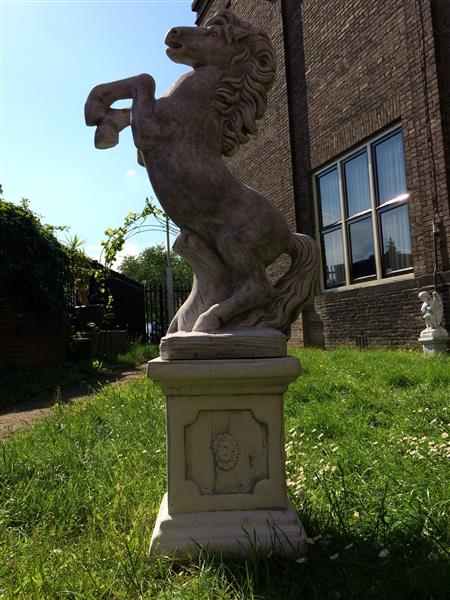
[[363, 214]]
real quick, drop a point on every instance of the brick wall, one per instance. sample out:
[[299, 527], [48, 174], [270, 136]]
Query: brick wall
[[355, 68], [441, 23], [389, 317], [24, 341], [376, 65]]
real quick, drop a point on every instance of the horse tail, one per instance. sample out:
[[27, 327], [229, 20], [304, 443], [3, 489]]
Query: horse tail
[[298, 286], [292, 292]]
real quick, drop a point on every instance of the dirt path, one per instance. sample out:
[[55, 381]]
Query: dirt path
[[25, 413]]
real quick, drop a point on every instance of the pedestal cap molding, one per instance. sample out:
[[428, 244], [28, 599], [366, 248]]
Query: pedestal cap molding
[[224, 376]]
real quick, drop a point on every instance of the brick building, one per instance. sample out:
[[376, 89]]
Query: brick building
[[355, 150]]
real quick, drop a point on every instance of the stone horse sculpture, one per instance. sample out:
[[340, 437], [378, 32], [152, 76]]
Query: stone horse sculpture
[[229, 233]]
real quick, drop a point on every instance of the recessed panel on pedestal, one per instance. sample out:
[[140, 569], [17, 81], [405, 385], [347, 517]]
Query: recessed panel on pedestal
[[226, 451]]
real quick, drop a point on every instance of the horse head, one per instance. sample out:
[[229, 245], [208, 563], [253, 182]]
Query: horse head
[[219, 43], [246, 59], [198, 47]]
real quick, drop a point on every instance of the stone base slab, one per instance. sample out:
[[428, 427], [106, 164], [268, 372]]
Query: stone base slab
[[228, 532], [245, 343]]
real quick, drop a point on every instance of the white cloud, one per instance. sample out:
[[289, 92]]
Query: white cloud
[[131, 173], [95, 251], [130, 249]]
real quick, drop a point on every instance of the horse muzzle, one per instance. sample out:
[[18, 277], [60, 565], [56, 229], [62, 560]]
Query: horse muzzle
[[173, 39]]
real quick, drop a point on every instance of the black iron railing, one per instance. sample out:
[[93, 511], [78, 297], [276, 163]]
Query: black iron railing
[[157, 308]]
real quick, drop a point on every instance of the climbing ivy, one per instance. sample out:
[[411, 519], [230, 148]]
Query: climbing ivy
[[34, 266], [134, 223]]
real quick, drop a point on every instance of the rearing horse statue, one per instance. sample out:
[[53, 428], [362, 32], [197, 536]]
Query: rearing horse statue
[[229, 233]]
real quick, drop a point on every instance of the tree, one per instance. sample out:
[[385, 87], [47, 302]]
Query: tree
[[150, 267]]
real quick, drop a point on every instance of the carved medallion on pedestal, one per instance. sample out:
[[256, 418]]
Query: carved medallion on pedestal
[[226, 451]]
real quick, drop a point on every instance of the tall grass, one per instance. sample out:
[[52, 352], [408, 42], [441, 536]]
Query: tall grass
[[368, 469], [136, 354]]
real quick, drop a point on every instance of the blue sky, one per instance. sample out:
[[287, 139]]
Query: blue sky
[[52, 53]]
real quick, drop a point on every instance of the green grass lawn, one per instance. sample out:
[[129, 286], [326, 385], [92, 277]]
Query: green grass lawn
[[368, 469]]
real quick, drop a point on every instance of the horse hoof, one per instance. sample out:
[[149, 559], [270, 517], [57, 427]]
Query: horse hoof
[[207, 322], [106, 137]]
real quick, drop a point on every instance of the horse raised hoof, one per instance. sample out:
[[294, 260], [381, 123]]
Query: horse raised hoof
[[107, 132], [106, 136]]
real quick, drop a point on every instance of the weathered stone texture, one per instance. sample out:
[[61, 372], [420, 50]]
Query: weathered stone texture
[[265, 162]]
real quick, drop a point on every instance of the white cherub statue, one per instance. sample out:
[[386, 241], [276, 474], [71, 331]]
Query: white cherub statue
[[432, 310]]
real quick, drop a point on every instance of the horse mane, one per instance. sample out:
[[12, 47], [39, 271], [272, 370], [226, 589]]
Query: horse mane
[[241, 98]]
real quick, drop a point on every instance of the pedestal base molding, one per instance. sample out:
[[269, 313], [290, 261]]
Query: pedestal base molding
[[228, 532], [434, 341]]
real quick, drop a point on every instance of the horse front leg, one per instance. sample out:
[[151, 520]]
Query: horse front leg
[[110, 121]]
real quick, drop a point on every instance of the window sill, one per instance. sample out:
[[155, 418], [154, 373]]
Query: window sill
[[372, 282]]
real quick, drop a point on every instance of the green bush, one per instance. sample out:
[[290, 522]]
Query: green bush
[[34, 265]]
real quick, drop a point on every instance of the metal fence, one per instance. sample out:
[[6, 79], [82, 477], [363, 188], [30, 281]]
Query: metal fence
[[157, 308], [128, 304]]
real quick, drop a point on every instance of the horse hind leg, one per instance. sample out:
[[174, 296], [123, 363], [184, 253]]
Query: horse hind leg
[[212, 281], [251, 288], [253, 293]]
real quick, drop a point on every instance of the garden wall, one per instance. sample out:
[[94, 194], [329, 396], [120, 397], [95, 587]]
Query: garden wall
[[25, 341]]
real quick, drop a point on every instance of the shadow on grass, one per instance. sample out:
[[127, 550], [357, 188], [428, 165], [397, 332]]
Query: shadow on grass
[[343, 567], [31, 389]]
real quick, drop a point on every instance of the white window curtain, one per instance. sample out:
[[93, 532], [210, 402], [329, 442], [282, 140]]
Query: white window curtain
[[396, 239], [390, 168], [334, 257], [329, 198]]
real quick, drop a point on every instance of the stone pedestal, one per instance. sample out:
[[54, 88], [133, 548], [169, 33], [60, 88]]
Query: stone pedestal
[[225, 457], [434, 341]]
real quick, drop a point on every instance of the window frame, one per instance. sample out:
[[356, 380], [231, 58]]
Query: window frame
[[330, 228], [374, 212]]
